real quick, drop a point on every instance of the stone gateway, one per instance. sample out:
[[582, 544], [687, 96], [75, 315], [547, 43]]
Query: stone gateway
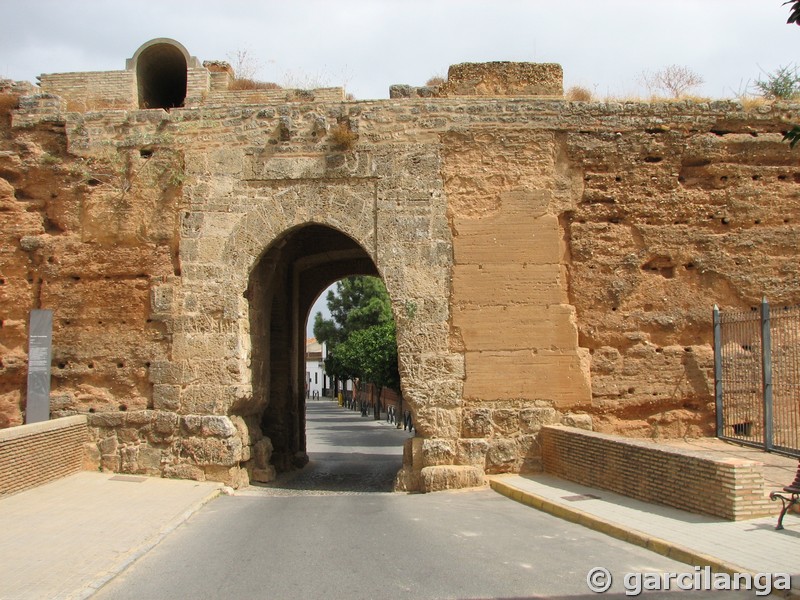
[[548, 261]]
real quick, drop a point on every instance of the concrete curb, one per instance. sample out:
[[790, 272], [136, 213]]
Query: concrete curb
[[130, 557], [632, 536]]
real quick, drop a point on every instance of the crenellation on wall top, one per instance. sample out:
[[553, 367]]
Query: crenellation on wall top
[[491, 79]]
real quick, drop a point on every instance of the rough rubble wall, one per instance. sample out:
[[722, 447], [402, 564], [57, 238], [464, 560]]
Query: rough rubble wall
[[675, 217], [86, 237], [548, 261]]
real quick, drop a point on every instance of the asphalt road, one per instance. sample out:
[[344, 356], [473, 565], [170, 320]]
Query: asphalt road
[[326, 533]]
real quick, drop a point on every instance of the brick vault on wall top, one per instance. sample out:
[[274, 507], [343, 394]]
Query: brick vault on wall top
[[548, 261]]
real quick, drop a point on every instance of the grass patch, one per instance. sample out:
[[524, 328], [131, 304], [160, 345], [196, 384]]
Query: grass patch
[[8, 102], [578, 93], [342, 136], [251, 84]]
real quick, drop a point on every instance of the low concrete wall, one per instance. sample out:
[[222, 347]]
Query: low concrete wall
[[31, 455], [731, 488]]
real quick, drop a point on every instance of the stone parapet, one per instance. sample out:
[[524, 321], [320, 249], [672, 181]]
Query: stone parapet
[[504, 79]]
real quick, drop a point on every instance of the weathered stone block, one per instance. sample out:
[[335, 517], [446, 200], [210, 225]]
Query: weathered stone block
[[139, 417], [448, 477], [501, 457], [472, 452], [149, 460], [91, 456], [212, 451], [438, 452], [165, 423], [532, 419], [166, 397], [108, 445], [184, 471], [217, 426], [477, 423], [581, 421], [262, 452], [106, 419], [263, 475]]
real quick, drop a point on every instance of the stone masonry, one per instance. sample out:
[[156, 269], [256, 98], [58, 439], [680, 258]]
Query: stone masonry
[[548, 261]]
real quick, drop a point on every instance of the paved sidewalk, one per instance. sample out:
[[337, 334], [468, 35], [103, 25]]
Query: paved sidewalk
[[731, 546], [65, 539]]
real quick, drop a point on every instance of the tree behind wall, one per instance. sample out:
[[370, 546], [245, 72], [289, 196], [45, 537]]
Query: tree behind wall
[[360, 334]]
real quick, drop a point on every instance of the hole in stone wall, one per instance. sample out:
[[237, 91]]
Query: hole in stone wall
[[745, 428], [52, 227], [123, 407], [146, 152], [653, 159], [662, 265]]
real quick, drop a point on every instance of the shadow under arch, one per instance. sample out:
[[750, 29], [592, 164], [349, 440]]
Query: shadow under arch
[[283, 285]]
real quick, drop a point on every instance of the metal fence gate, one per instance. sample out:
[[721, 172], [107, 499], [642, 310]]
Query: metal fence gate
[[757, 377]]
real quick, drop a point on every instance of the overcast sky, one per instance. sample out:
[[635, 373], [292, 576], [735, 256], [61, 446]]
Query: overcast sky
[[368, 45]]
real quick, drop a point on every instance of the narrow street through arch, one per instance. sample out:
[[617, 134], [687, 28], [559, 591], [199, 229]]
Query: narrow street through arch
[[347, 453]]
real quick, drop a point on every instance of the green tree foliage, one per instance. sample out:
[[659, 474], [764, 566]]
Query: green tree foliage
[[781, 84], [360, 334], [358, 303], [371, 355]]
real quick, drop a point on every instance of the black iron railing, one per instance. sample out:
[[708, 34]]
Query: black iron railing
[[757, 377]]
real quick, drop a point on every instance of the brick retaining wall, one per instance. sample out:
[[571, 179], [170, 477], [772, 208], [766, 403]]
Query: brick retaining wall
[[731, 488], [31, 455]]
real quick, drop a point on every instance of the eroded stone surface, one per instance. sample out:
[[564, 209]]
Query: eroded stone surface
[[548, 262]]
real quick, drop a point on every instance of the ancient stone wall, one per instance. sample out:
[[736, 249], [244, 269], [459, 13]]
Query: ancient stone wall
[[547, 261]]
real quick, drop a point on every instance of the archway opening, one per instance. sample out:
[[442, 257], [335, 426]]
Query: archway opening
[[283, 286], [161, 75]]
